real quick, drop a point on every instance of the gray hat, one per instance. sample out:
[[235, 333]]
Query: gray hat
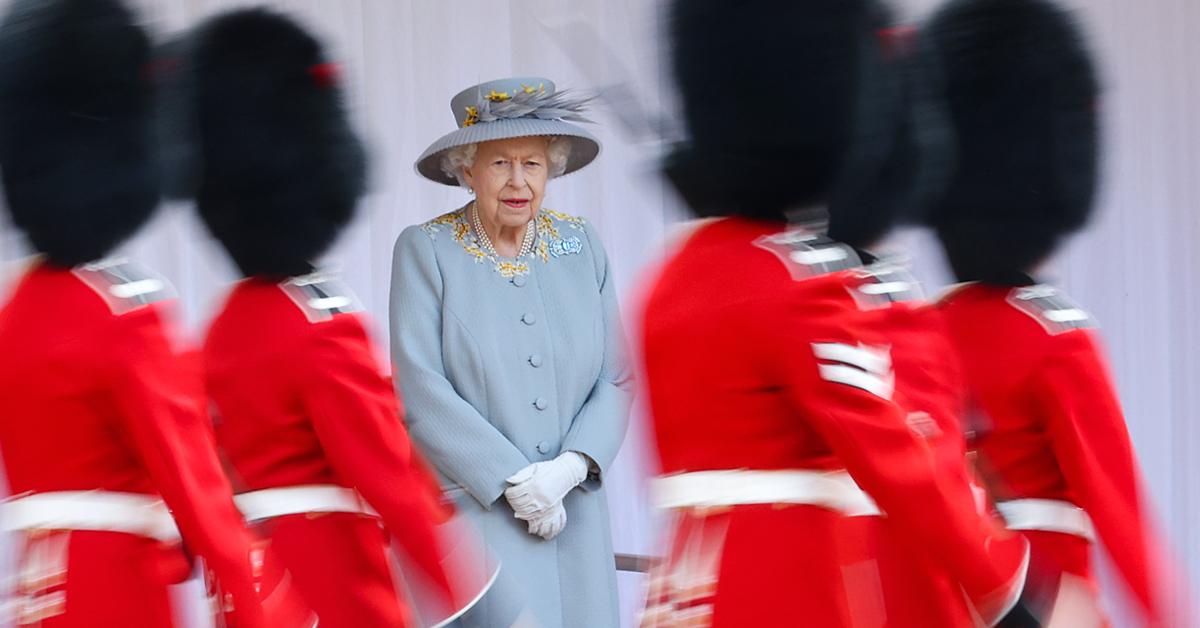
[[507, 108]]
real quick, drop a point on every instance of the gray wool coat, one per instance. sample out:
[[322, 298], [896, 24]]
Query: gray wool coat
[[502, 363]]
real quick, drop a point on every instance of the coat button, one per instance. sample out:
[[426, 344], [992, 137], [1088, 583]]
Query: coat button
[[529, 318], [540, 403], [543, 447], [535, 360], [518, 281]]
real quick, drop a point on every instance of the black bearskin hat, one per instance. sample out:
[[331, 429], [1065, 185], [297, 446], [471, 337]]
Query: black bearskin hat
[[774, 94], [904, 162], [77, 146], [279, 169], [1021, 94]]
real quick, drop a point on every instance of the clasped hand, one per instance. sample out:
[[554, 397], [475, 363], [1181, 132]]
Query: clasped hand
[[537, 492]]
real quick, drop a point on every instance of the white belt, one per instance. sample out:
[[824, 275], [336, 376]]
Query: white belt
[[298, 500], [835, 490], [100, 511], [1048, 515]]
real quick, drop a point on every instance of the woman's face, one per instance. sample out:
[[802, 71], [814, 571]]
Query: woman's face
[[509, 179]]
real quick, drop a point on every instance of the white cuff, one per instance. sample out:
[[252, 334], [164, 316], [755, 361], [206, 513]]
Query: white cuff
[[577, 463]]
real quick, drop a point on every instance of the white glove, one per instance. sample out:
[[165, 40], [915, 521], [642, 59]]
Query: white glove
[[547, 524], [543, 484]]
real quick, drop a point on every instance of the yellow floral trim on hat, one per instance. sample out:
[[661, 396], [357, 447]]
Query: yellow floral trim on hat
[[472, 116], [496, 96], [548, 234]]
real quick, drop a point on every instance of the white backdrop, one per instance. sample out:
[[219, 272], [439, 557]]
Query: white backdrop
[[1136, 269]]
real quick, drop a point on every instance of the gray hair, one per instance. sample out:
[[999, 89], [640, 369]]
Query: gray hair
[[558, 151]]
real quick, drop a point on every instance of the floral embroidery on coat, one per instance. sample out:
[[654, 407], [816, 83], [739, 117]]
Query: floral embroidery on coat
[[549, 242]]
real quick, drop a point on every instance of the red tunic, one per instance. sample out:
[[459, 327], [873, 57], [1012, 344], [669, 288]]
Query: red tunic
[[93, 398], [1054, 427], [301, 401], [913, 591], [741, 338]]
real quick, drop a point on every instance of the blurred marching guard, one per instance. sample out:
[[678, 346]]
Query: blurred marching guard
[[105, 439], [308, 421], [892, 581], [1021, 93], [761, 427]]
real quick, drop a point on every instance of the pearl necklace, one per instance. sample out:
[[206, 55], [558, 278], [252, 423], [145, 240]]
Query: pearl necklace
[[486, 242]]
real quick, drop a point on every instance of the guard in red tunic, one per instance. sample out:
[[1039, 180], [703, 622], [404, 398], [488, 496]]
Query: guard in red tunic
[[305, 414], [900, 583], [771, 381], [895, 582], [103, 431], [1022, 95]]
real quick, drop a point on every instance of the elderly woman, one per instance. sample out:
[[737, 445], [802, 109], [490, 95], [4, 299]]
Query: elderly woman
[[507, 345]]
